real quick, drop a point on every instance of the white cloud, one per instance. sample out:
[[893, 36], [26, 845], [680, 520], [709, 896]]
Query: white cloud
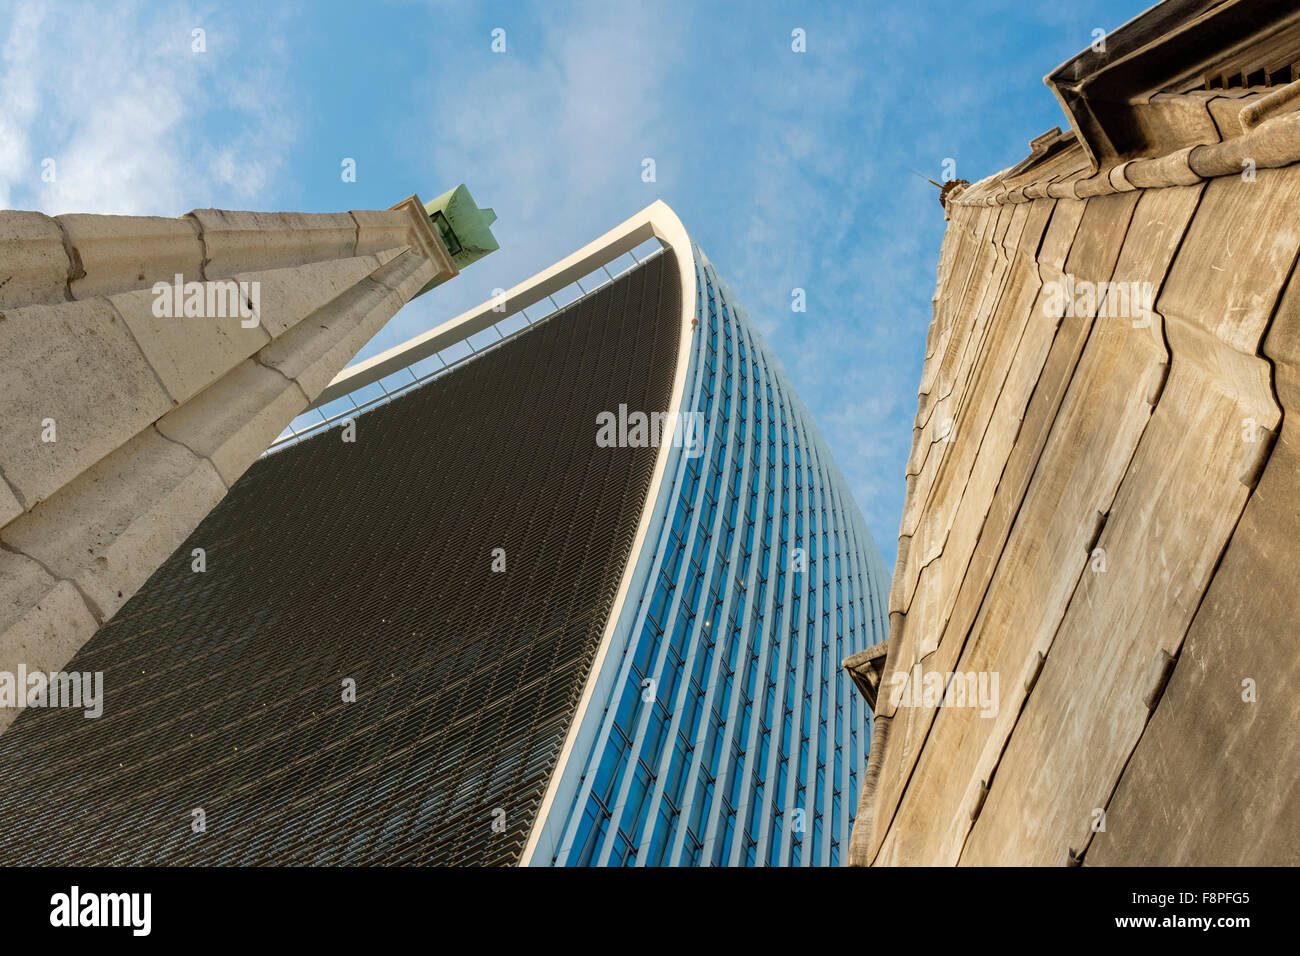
[[19, 99], [135, 121], [552, 133]]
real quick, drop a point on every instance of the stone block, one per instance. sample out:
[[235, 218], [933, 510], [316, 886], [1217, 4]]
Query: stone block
[[410, 278], [10, 507], [314, 352], [34, 266], [382, 229], [287, 296], [188, 353], [75, 363], [23, 582], [385, 256], [121, 253], [236, 419], [50, 629], [111, 527], [236, 241]]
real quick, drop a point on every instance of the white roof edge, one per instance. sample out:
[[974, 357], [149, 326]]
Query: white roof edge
[[655, 221], [659, 221]]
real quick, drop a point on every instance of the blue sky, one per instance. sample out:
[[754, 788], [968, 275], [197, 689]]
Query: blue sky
[[790, 170]]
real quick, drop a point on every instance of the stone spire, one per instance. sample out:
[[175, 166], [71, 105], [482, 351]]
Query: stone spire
[[146, 362]]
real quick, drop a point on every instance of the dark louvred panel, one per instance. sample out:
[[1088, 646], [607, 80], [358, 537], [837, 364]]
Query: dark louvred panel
[[371, 561]]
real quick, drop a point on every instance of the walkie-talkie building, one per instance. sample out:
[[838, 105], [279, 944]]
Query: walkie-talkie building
[[575, 596]]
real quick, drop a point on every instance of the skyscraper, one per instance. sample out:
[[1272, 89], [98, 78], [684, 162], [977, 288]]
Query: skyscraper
[[577, 597]]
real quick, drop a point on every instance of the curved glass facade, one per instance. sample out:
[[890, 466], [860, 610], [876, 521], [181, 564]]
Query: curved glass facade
[[352, 679], [724, 731], [650, 676]]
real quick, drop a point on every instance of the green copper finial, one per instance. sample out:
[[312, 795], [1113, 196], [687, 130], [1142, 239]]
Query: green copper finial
[[463, 225]]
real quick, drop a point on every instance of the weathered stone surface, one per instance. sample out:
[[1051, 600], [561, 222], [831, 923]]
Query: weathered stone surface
[[1097, 439], [236, 241], [1116, 374], [382, 229], [108, 527], [121, 253], [232, 422], [1015, 614], [1124, 615], [49, 628], [42, 621], [287, 296], [187, 353], [385, 256], [1177, 119], [1172, 170], [409, 279], [10, 506], [77, 364], [1212, 781], [23, 582], [982, 381], [1226, 112], [1273, 144], [34, 265], [911, 724], [312, 353], [1220, 756]]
